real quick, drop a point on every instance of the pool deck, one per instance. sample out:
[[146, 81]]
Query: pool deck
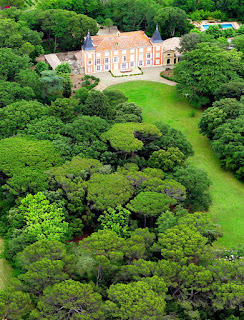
[[203, 22]]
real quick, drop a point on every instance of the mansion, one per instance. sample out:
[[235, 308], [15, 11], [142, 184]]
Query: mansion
[[124, 51]]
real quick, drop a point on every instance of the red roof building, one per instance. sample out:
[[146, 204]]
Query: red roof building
[[123, 51]]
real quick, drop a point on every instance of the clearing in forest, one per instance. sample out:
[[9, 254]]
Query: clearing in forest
[[160, 102]]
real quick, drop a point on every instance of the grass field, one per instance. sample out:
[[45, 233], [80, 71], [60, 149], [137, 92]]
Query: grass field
[[5, 269], [159, 102]]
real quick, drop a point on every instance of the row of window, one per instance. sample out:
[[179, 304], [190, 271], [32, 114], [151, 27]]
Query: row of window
[[125, 51], [124, 59], [124, 65]]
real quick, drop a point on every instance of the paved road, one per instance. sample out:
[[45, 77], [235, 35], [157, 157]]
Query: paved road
[[149, 74]]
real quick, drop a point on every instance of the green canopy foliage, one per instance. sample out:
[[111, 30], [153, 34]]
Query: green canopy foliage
[[221, 111], [108, 190], [124, 136], [128, 112], [17, 36], [23, 162], [66, 299], [166, 160], [115, 96], [16, 116], [142, 300], [11, 92], [30, 78], [150, 204], [97, 104], [172, 21], [11, 63], [197, 185], [14, 305], [116, 220], [183, 244], [228, 144], [204, 69], [44, 128], [61, 27], [43, 220]]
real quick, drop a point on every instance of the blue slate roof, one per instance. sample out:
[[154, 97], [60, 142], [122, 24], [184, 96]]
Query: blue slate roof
[[88, 45], [156, 38]]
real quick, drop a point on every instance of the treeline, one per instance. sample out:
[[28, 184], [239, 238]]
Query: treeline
[[100, 212], [59, 28], [87, 168], [212, 76], [171, 16], [224, 124], [125, 184]]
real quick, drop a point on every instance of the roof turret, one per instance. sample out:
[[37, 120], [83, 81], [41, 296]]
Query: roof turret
[[156, 38], [88, 44]]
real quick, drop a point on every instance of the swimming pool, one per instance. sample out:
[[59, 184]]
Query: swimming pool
[[224, 25]]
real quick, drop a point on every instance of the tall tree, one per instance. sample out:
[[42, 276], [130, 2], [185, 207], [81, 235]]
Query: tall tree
[[204, 69], [14, 304], [166, 160], [23, 161], [142, 300], [11, 92], [129, 137], [150, 204], [11, 63], [172, 21], [183, 244], [43, 220], [221, 111], [108, 190], [69, 300], [197, 185], [52, 85], [17, 115]]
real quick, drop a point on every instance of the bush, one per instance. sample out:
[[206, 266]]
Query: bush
[[41, 66], [63, 68], [90, 82]]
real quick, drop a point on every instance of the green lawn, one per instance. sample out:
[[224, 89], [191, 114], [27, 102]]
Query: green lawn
[[5, 269], [160, 102]]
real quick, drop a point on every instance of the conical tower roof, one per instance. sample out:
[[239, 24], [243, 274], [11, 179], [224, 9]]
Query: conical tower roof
[[88, 45], [156, 38]]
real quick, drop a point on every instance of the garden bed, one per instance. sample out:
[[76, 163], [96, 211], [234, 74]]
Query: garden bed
[[168, 74]]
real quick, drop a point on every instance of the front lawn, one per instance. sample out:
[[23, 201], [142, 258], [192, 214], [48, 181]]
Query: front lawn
[[160, 103]]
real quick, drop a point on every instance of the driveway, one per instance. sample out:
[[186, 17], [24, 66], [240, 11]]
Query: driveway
[[149, 74]]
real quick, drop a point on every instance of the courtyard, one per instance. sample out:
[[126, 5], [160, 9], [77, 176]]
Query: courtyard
[[149, 74]]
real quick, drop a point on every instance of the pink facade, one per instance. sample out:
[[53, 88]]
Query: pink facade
[[123, 51], [122, 59]]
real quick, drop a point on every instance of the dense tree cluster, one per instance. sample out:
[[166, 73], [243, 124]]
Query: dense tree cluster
[[211, 76], [223, 124], [135, 200], [204, 69], [61, 28], [100, 212]]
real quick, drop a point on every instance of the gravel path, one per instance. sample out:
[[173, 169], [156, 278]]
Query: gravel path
[[149, 74]]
